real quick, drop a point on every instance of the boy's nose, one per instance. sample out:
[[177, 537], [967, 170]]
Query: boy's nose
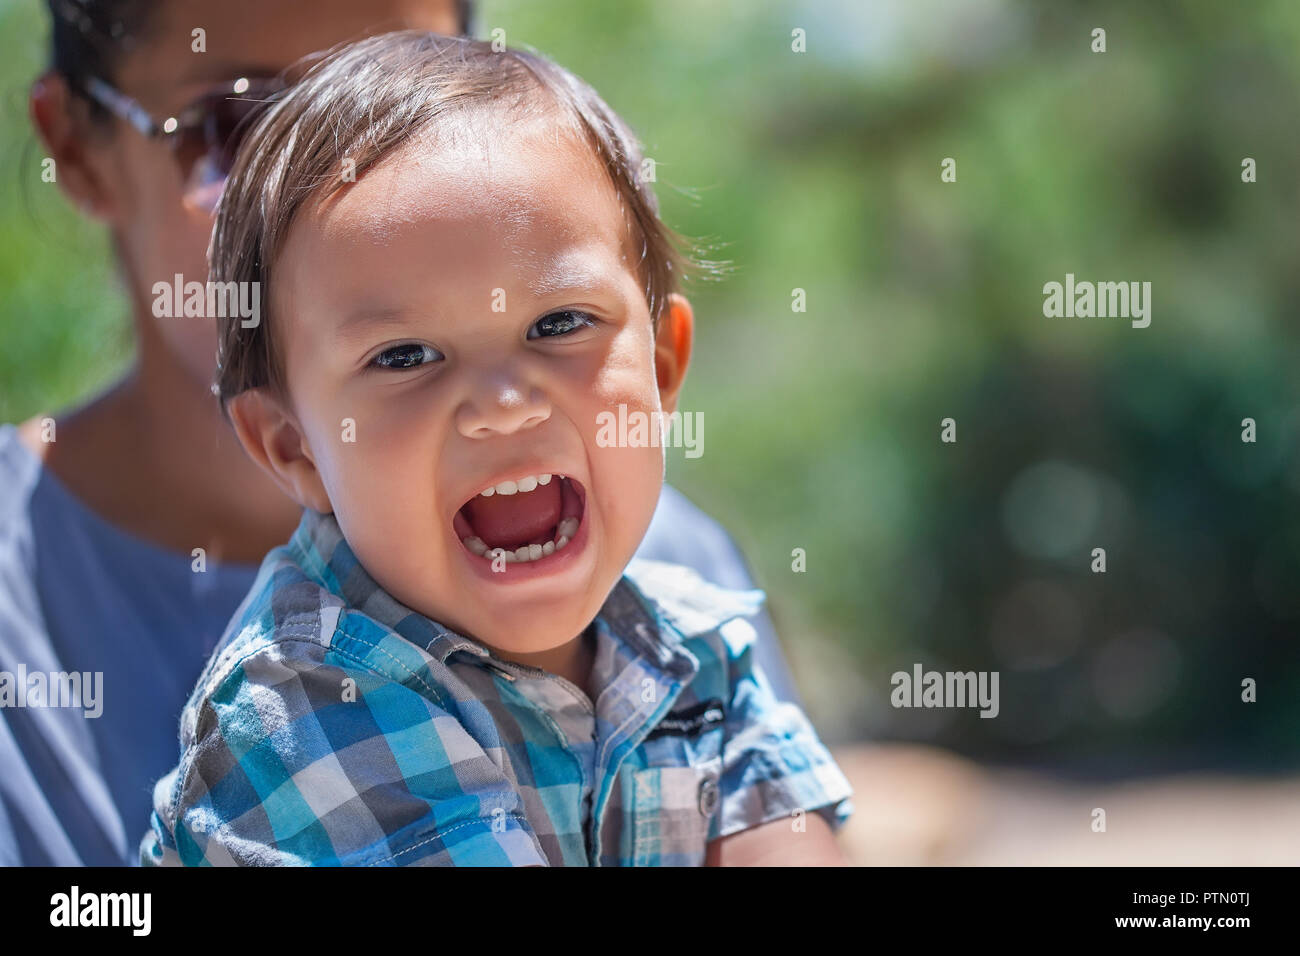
[[501, 407]]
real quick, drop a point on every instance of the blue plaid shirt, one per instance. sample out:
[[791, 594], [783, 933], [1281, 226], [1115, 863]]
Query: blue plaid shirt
[[333, 725]]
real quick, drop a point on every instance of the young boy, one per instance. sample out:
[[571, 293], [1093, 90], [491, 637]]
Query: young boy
[[461, 273]]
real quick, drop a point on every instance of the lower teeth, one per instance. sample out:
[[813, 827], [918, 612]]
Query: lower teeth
[[529, 552]]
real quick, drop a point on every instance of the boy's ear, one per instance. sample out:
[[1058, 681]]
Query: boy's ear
[[673, 349], [63, 123], [273, 439]]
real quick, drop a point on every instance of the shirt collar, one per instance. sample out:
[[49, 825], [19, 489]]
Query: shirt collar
[[653, 607]]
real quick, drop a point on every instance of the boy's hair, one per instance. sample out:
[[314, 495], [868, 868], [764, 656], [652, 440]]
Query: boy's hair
[[366, 100]]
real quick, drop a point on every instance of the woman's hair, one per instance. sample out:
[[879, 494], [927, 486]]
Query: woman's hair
[[90, 38], [368, 99]]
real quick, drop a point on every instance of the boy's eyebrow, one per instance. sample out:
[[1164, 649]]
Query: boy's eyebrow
[[570, 277], [558, 279], [366, 318]]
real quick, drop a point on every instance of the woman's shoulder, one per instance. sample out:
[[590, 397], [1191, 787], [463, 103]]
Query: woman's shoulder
[[58, 555], [24, 449], [19, 475], [20, 470], [33, 435]]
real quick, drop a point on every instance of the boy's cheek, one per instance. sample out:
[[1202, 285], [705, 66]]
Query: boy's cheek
[[373, 429], [627, 373], [380, 480], [395, 531], [628, 480], [631, 386], [391, 487], [623, 441]]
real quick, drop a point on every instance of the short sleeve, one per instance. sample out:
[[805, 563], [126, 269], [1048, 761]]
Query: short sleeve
[[307, 762], [773, 763]]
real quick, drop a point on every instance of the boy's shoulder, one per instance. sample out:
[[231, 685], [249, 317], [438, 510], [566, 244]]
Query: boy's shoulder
[[313, 606], [693, 618], [689, 602], [286, 604], [304, 619], [692, 608], [768, 761]]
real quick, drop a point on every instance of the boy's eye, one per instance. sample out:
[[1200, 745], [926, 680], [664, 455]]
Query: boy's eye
[[407, 355], [560, 323]]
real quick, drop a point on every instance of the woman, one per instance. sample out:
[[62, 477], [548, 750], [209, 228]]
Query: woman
[[137, 523]]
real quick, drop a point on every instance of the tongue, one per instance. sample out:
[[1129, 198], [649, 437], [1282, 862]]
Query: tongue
[[511, 521]]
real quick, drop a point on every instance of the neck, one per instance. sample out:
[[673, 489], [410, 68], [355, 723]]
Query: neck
[[572, 660], [154, 456]]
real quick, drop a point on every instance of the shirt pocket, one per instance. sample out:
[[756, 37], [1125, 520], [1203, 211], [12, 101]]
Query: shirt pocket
[[673, 811]]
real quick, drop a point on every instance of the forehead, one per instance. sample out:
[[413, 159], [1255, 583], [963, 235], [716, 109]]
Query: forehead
[[528, 196]]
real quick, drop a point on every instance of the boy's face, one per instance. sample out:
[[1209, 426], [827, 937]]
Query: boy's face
[[457, 319]]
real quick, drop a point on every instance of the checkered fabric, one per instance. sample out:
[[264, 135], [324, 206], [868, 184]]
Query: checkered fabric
[[334, 726]]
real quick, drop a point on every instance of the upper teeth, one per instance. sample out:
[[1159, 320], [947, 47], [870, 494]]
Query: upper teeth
[[527, 483]]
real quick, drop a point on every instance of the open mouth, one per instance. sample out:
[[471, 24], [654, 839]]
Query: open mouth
[[523, 520]]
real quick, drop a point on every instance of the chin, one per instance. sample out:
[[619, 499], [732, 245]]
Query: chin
[[527, 626]]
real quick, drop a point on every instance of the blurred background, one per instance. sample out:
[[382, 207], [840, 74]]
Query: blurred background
[[821, 171]]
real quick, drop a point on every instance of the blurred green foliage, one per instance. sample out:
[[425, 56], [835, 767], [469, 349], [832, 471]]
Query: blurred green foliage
[[820, 171], [64, 332]]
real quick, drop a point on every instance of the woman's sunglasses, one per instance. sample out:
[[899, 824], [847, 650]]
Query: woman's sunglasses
[[204, 136]]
